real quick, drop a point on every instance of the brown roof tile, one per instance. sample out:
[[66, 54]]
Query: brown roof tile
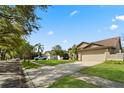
[[108, 42]]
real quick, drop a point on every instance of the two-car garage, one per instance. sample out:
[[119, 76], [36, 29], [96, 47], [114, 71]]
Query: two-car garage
[[92, 55]]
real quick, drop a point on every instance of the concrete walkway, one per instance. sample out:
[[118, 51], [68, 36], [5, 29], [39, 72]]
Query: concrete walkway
[[44, 76], [11, 75], [100, 82]]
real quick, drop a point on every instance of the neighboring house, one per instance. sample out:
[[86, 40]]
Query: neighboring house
[[47, 53], [100, 50], [51, 57]]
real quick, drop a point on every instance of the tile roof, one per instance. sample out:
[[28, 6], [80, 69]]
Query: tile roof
[[106, 43]]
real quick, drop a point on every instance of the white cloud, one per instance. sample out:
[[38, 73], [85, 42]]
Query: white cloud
[[113, 27], [120, 17], [65, 41], [113, 20], [73, 13], [50, 33]]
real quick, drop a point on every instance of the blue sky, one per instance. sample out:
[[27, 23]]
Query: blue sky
[[68, 25]]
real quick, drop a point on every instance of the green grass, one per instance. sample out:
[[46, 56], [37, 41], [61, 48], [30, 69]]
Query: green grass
[[71, 82], [29, 65], [113, 70], [53, 62]]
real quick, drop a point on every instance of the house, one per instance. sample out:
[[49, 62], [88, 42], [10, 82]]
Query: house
[[100, 50], [51, 57]]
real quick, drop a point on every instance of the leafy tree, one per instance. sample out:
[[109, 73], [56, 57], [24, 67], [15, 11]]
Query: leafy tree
[[73, 52], [57, 50], [65, 55], [57, 47], [24, 15], [39, 49], [25, 50], [16, 22]]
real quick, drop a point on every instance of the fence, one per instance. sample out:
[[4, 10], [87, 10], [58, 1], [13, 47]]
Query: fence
[[117, 56]]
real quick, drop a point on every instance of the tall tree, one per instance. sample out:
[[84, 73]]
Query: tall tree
[[24, 15], [57, 50], [25, 50], [73, 52], [39, 49], [16, 22]]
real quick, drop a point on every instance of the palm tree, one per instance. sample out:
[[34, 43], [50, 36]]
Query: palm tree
[[39, 48]]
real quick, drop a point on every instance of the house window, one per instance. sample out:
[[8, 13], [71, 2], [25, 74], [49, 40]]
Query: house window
[[112, 51]]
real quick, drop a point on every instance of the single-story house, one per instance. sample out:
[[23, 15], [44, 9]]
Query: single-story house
[[98, 50], [52, 57]]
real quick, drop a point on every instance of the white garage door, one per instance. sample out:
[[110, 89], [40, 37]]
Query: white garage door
[[93, 58]]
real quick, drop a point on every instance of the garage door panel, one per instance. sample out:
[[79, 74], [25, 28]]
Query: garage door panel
[[93, 57]]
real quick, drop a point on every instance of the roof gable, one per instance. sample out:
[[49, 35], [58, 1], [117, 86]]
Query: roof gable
[[92, 45], [82, 44]]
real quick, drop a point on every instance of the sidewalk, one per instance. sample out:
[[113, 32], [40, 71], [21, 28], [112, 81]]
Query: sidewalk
[[11, 75]]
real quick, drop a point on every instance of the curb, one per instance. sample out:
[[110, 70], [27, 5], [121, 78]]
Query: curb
[[28, 80]]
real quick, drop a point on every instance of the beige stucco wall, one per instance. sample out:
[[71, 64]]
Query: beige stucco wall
[[79, 56], [117, 48]]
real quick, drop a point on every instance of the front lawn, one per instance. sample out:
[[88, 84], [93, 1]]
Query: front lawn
[[71, 82], [113, 70], [29, 65], [53, 62]]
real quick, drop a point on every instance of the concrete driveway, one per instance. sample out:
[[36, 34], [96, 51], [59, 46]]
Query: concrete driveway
[[44, 76]]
